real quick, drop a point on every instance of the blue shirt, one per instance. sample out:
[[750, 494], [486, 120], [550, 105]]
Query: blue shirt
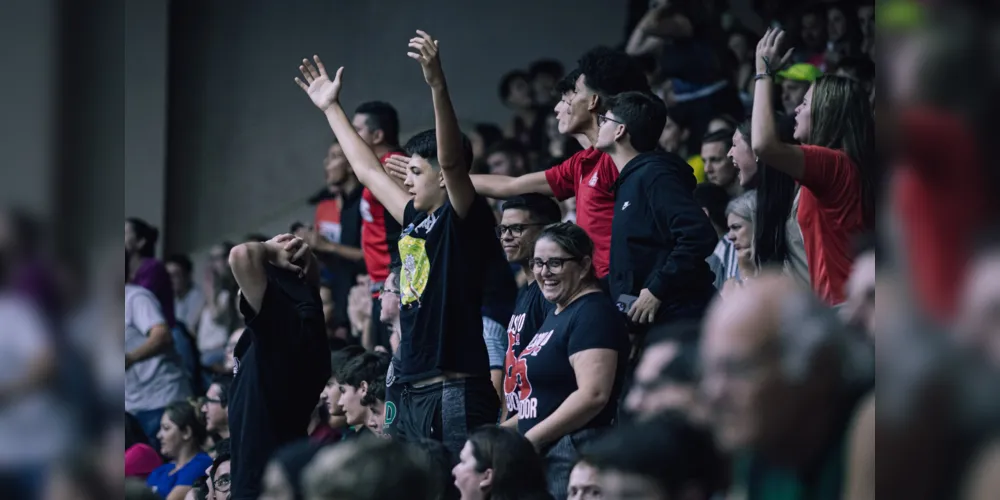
[[162, 481]]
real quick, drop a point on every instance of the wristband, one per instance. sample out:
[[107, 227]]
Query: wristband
[[761, 76]]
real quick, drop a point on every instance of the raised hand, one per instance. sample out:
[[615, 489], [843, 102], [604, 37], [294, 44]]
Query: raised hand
[[769, 60], [287, 252], [397, 166], [425, 51], [323, 91]]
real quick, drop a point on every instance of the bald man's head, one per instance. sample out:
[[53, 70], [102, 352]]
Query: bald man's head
[[771, 352]]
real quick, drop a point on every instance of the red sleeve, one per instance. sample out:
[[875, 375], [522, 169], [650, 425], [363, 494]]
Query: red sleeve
[[562, 178], [830, 175]]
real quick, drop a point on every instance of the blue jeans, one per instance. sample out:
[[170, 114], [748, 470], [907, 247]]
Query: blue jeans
[[149, 420]]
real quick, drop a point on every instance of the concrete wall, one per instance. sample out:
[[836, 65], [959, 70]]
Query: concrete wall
[[245, 145]]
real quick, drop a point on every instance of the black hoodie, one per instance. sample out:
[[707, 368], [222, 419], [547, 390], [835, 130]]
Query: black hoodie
[[661, 238]]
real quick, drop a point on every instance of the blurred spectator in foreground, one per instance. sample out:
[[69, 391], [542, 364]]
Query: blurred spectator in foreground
[[661, 459], [367, 469], [282, 478], [859, 310], [782, 380], [664, 379], [584, 482]]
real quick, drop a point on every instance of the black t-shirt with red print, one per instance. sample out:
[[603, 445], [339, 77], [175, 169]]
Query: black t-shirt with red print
[[543, 369], [530, 312]]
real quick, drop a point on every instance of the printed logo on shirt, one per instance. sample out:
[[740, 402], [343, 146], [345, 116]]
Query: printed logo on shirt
[[366, 211], [593, 180], [520, 395], [330, 231], [625, 206], [390, 413], [236, 366], [390, 376], [416, 269], [511, 382]]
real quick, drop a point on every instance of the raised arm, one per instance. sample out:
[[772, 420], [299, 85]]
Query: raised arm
[[502, 186], [249, 260], [325, 94], [454, 165], [765, 141]]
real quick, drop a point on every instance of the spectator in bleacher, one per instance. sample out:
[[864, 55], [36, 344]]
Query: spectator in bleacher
[[216, 406], [181, 436], [219, 316], [719, 167], [143, 268], [188, 299]]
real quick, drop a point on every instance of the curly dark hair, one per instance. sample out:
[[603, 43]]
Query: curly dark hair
[[609, 72]]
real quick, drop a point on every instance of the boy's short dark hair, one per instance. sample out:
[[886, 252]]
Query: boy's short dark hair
[[644, 116], [224, 382], [340, 358], [543, 209], [144, 231], [376, 391], [610, 72], [364, 368], [713, 199], [182, 261], [424, 145], [381, 116]]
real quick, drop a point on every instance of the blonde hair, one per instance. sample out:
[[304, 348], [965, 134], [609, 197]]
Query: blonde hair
[[744, 206]]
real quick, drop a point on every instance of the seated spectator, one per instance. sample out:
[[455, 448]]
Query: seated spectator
[[545, 75], [219, 317], [137, 490], [719, 167], [283, 476], [661, 459], [782, 379], [331, 393], [181, 436], [216, 405], [219, 476], [507, 157], [497, 463], [356, 377], [367, 469], [741, 218], [374, 402]]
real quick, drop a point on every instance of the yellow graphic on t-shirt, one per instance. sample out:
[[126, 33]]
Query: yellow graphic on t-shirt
[[416, 269]]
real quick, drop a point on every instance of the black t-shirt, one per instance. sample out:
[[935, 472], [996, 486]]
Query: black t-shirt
[[590, 322], [441, 291], [282, 365], [529, 314]]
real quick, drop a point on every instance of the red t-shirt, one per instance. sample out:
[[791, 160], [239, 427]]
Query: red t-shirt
[[830, 216], [377, 229], [939, 197], [589, 175], [327, 221]]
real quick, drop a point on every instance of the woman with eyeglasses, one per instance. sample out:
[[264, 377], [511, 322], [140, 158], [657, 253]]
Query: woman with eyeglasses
[[570, 374]]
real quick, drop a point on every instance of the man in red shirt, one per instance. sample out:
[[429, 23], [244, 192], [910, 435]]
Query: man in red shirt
[[378, 125], [589, 175]]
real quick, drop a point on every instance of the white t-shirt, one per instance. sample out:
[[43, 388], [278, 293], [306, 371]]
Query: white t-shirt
[[187, 309], [158, 381], [213, 334]]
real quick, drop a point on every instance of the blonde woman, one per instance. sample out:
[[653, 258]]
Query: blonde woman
[[740, 221]]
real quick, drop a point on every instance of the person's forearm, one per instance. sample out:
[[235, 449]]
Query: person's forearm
[[763, 129], [510, 423], [159, 340], [449, 136], [578, 409], [358, 154]]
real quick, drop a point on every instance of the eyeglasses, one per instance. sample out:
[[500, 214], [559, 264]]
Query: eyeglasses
[[222, 483], [555, 264], [382, 290], [516, 230], [602, 119]]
